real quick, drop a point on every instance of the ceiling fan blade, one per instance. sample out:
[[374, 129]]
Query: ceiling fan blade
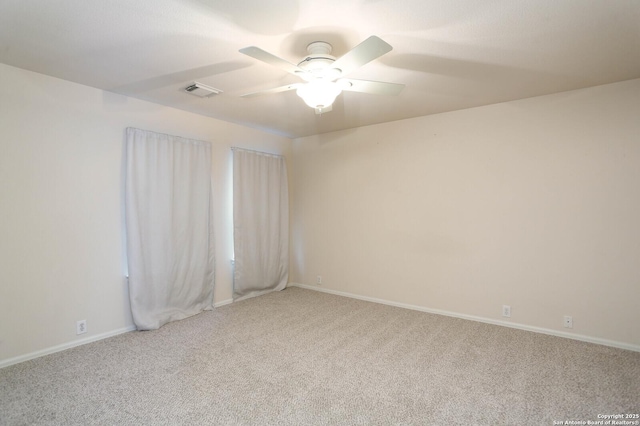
[[274, 90], [365, 52], [266, 57], [373, 87]]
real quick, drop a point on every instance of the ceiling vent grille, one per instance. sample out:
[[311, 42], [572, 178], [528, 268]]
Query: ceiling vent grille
[[201, 90]]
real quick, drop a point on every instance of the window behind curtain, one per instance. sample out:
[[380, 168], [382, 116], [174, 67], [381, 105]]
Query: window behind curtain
[[260, 223], [168, 226]]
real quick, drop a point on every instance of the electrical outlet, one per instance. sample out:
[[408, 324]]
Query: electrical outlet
[[568, 321], [81, 327], [319, 280], [506, 311]]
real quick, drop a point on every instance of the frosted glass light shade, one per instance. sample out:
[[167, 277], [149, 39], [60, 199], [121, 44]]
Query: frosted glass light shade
[[319, 93]]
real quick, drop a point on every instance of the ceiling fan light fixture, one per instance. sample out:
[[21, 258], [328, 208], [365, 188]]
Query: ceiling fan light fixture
[[324, 73], [319, 93]]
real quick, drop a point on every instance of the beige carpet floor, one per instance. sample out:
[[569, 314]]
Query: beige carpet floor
[[300, 357]]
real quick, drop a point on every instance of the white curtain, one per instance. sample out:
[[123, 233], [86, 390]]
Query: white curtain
[[168, 227], [260, 223]]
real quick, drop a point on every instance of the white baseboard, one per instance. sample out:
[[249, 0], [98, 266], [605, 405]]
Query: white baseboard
[[222, 303], [605, 342], [69, 345], [582, 338], [64, 346]]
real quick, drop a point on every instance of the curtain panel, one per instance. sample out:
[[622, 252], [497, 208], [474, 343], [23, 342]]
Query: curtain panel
[[168, 227], [260, 223]]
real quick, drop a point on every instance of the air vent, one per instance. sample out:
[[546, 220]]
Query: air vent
[[201, 90]]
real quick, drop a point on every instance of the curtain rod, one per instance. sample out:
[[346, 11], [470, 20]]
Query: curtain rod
[[169, 135], [235, 148]]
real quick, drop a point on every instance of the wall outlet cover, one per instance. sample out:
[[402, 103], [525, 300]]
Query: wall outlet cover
[[506, 311], [568, 321]]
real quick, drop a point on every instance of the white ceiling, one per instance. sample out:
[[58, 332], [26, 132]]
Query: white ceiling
[[450, 54]]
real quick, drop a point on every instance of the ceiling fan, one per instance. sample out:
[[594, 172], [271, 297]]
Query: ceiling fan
[[324, 74]]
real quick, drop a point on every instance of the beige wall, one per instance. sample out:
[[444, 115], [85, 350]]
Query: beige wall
[[61, 246], [533, 204]]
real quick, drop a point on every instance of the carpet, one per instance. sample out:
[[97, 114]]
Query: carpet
[[299, 357]]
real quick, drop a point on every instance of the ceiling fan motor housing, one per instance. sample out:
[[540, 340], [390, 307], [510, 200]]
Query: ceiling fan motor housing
[[318, 62]]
